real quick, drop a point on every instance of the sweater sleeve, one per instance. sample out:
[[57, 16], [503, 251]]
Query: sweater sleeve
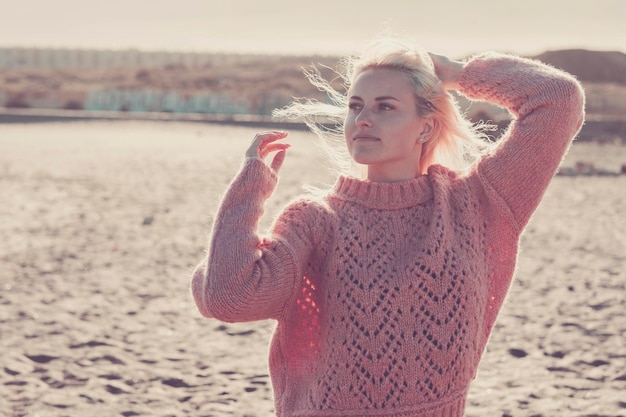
[[245, 277], [548, 110]]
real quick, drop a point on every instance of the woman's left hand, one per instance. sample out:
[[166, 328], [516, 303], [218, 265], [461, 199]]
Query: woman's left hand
[[448, 71]]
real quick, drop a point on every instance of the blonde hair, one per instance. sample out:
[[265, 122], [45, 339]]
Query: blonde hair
[[455, 142]]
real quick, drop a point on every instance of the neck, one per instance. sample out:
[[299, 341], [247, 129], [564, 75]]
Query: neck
[[391, 174]]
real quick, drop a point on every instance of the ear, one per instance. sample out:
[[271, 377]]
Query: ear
[[428, 126], [427, 129]]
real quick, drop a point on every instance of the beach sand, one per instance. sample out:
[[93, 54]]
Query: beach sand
[[103, 222]]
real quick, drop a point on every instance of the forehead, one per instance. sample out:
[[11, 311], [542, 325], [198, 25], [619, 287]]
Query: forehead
[[378, 81]]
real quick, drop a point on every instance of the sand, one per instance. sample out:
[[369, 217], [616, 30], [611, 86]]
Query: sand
[[102, 223]]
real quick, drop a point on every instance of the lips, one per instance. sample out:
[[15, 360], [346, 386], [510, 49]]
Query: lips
[[365, 138]]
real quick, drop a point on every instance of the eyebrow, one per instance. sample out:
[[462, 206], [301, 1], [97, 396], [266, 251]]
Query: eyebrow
[[381, 98]]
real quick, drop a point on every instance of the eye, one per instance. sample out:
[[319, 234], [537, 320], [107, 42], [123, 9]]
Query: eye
[[355, 106], [385, 106]]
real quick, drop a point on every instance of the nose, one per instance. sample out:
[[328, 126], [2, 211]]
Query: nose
[[363, 118]]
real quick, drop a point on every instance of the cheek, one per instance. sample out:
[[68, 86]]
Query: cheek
[[348, 129], [347, 142], [409, 129], [348, 122]]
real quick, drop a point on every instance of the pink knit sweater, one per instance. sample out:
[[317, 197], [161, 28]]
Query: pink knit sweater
[[385, 293]]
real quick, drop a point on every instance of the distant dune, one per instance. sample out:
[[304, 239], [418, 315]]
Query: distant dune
[[590, 66]]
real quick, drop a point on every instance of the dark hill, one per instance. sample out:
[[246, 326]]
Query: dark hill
[[589, 66]]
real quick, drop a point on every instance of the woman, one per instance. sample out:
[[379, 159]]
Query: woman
[[385, 290]]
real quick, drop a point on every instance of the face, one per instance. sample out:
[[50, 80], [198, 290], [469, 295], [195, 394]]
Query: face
[[383, 129]]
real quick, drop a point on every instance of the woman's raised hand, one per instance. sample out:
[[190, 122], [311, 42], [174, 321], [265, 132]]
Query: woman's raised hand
[[265, 143], [448, 70]]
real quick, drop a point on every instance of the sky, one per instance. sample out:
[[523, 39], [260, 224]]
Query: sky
[[326, 27]]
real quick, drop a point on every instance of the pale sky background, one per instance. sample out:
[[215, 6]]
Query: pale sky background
[[331, 27]]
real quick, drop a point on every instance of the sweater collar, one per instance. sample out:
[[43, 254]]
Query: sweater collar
[[383, 195]]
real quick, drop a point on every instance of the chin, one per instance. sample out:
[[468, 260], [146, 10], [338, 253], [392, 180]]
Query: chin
[[365, 161], [364, 158]]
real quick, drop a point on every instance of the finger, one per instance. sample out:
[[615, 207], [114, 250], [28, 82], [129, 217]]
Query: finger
[[270, 137], [261, 139], [278, 160], [272, 147]]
